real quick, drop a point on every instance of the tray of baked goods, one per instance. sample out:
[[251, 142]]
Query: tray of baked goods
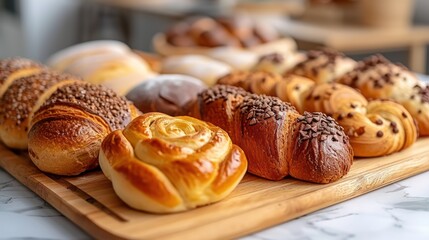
[[237, 133]]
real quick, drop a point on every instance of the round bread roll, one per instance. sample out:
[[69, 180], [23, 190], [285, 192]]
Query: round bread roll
[[172, 94], [324, 66], [238, 59], [62, 59], [201, 67], [166, 164]]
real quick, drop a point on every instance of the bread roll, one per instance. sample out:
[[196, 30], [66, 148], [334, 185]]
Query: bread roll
[[165, 164], [324, 66], [277, 140], [167, 93], [66, 132], [278, 63]]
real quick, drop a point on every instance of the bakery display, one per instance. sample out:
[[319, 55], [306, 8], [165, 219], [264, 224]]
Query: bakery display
[[198, 66], [378, 78], [172, 94], [324, 65], [109, 63], [162, 164], [277, 140], [200, 35], [59, 118], [375, 128]]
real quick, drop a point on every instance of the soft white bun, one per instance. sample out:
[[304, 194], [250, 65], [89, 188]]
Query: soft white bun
[[198, 66], [62, 59], [238, 59]]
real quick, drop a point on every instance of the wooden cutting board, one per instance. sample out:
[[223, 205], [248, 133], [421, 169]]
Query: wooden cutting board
[[89, 200]]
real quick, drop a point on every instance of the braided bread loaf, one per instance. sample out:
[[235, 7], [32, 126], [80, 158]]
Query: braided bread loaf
[[163, 164], [61, 119], [375, 129], [378, 78], [277, 140]]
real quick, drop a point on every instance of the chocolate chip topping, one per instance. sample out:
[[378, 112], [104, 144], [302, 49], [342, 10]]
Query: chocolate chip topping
[[10, 65], [331, 58], [380, 134], [258, 108], [95, 99], [22, 95], [423, 93], [314, 125], [275, 58], [221, 92]]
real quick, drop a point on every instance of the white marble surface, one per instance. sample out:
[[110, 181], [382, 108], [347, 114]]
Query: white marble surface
[[398, 211]]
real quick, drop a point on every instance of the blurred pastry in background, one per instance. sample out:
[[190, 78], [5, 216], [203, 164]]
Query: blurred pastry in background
[[109, 63], [198, 66], [238, 59], [172, 94], [324, 66], [279, 63], [200, 34]]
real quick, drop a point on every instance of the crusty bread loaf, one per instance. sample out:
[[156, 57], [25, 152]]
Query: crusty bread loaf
[[166, 164], [61, 119], [367, 124], [277, 140]]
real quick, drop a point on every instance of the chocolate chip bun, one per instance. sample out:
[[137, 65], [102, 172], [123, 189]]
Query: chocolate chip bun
[[172, 94]]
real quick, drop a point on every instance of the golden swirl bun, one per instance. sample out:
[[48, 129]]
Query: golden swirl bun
[[378, 78], [259, 82], [275, 136], [375, 129], [167, 164], [324, 66], [66, 132], [294, 89]]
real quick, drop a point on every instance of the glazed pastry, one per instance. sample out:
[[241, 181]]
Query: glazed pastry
[[278, 140], [167, 93], [238, 59], [324, 66], [204, 68], [378, 78], [164, 164], [350, 108]]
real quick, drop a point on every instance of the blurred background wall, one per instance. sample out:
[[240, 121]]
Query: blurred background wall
[[36, 29]]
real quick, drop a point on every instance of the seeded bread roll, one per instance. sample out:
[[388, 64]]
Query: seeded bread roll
[[172, 94], [66, 132], [277, 140], [324, 66], [378, 78], [278, 62]]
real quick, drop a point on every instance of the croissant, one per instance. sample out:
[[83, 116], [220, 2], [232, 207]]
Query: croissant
[[165, 164], [366, 125], [60, 119], [277, 140], [378, 78]]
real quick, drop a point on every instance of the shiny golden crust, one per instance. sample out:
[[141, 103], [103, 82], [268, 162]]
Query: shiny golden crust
[[324, 66], [322, 152], [294, 89], [378, 78], [166, 164], [66, 132], [23, 97], [268, 129]]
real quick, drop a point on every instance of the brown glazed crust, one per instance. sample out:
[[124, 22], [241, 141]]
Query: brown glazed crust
[[322, 153]]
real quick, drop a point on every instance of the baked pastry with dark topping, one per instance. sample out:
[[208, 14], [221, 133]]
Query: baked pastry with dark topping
[[269, 132], [378, 78], [324, 66]]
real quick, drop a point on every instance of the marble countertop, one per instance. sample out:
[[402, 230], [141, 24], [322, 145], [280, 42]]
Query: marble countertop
[[397, 211]]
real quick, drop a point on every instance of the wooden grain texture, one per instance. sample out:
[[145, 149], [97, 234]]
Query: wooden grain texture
[[89, 200]]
